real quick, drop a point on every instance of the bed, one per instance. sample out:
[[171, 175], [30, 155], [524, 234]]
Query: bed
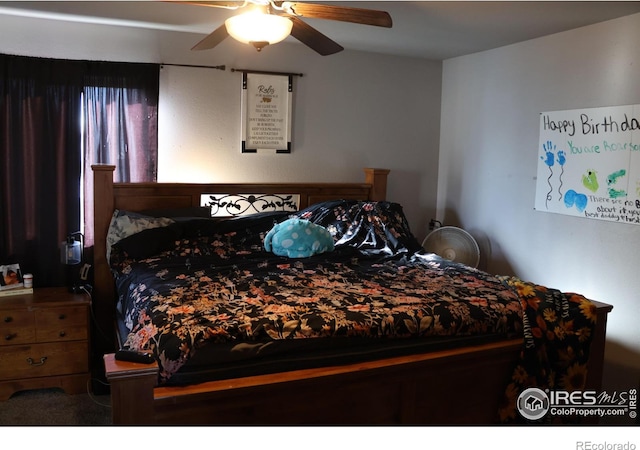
[[370, 331]]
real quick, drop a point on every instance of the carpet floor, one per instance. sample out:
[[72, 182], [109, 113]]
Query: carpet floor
[[46, 407]]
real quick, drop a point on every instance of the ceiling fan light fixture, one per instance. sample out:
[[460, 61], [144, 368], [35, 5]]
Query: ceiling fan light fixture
[[258, 27]]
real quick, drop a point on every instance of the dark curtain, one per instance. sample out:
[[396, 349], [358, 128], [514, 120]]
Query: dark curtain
[[42, 136], [40, 111]]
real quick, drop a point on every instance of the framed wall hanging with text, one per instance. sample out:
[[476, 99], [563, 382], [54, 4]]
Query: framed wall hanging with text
[[267, 101]]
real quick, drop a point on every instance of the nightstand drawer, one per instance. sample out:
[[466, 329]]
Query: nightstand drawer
[[62, 324], [17, 327], [42, 360]]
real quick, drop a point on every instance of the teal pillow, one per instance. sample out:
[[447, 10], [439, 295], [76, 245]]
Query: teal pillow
[[298, 238]]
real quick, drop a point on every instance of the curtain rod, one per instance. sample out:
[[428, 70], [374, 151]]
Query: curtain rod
[[266, 73], [221, 67]]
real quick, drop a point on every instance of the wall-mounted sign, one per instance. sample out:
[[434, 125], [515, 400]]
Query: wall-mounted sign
[[266, 112], [589, 163]]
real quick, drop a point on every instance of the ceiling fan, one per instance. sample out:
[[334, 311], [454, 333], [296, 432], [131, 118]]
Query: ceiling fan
[[280, 18]]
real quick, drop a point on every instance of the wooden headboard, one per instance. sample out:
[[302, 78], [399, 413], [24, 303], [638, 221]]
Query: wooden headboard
[[109, 196]]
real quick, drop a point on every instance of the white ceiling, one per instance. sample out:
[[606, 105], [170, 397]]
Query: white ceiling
[[424, 29]]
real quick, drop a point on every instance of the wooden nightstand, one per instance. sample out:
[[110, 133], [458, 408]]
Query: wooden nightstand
[[44, 341]]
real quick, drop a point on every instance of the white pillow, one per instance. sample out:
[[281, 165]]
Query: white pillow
[[125, 223]]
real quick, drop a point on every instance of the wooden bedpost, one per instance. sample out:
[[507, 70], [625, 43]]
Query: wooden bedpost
[[131, 391], [595, 365], [377, 178], [103, 206]]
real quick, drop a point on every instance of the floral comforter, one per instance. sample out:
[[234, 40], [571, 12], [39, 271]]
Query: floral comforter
[[203, 282]]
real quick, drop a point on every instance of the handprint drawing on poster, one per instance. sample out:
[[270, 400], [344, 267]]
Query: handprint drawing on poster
[[549, 159], [590, 180], [613, 180], [573, 198], [561, 160]]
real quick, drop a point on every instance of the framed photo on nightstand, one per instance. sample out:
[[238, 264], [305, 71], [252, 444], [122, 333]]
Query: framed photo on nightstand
[[11, 277]]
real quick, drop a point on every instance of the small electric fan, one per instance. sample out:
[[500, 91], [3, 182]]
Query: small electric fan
[[454, 244]]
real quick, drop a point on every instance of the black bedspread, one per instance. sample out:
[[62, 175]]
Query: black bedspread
[[197, 283]]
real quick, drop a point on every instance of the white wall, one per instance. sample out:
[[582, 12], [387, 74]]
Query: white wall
[[488, 161], [351, 110]]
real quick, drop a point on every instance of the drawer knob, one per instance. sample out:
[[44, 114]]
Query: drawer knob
[[8, 319], [8, 337], [62, 333], [33, 363], [62, 316]]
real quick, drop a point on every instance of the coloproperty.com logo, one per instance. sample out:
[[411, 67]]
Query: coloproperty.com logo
[[534, 403]]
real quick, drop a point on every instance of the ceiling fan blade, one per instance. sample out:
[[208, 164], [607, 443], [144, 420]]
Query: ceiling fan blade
[[213, 39], [213, 4], [341, 13], [313, 39]]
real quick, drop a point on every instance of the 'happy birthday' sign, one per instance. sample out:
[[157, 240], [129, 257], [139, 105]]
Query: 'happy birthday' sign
[[589, 163]]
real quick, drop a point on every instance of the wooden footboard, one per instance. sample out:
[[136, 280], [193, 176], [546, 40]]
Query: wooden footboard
[[428, 388], [455, 386]]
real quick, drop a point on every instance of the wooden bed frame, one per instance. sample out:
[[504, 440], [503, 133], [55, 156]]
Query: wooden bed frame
[[454, 386]]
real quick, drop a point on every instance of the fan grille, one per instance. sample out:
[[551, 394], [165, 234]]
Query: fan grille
[[454, 244]]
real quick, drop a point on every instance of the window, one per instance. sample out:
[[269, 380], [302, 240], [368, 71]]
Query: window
[[120, 116]]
